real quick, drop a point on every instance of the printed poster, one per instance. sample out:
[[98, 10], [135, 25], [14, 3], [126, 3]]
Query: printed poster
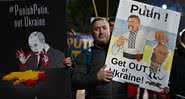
[[42, 24], [19, 19], [78, 43], [142, 45]]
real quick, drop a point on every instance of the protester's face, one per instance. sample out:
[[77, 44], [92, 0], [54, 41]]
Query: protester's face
[[101, 31], [111, 23], [161, 53], [133, 24], [35, 45]]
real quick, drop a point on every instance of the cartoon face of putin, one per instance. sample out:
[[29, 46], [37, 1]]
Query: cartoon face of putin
[[36, 42]]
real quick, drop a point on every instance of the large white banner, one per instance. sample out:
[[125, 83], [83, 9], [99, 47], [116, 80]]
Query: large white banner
[[142, 45]]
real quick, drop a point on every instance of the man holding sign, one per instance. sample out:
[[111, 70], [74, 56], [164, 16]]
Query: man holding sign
[[89, 72]]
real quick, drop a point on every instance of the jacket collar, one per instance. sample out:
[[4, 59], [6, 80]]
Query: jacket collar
[[101, 46]]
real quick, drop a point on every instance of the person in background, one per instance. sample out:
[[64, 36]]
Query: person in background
[[89, 72], [177, 78], [111, 23]]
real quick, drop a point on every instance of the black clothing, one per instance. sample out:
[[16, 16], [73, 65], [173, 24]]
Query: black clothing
[[86, 76], [55, 57], [177, 77]]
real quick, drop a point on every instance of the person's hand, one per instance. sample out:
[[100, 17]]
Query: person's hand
[[104, 75], [67, 61], [161, 37], [121, 41], [22, 56]]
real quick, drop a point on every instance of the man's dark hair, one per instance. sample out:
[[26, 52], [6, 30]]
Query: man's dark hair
[[97, 19], [134, 16]]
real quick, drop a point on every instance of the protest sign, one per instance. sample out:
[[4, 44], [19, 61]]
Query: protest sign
[[142, 45], [78, 43]]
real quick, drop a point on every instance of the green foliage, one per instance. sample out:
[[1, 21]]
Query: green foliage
[[78, 14]]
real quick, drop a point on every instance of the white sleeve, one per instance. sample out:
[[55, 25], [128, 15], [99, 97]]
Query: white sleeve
[[116, 49]]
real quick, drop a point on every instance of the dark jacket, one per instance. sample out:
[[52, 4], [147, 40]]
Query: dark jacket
[[177, 87], [85, 77], [55, 60]]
